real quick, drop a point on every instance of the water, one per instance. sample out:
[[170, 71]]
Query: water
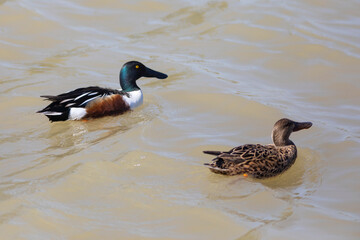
[[235, 67]]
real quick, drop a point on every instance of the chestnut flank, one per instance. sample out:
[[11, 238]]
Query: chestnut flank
[[110, 105]]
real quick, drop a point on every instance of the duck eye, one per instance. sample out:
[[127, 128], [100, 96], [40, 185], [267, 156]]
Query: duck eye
[[137, 66]]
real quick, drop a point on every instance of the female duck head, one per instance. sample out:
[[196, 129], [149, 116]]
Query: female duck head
[[132, 71], [283, 128]]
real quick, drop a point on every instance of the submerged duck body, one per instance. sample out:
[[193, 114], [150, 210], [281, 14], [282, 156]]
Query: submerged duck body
[[260, 161], [94, 102]]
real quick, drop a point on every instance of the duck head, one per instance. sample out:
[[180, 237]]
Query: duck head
[[132, 71], [283, 128]]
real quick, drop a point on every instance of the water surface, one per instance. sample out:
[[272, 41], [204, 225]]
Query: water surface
[[235, 67]]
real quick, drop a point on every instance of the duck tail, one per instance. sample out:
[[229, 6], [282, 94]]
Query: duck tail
[[216, 153], [50, 97], [55, 113], [218, 170]]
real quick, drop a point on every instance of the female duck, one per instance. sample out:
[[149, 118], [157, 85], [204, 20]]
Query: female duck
[[94, 102], [260, 161]]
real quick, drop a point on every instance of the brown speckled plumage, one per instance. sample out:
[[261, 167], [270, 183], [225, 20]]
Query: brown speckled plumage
[[260, 161]]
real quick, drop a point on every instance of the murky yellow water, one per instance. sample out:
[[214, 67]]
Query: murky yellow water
[[235, 67]]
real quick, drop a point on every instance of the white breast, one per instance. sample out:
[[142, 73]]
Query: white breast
[[135, 99]]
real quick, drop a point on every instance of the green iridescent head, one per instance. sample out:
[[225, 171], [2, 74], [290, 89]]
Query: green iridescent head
[[132, 71]]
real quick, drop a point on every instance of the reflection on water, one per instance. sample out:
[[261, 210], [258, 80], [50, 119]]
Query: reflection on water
[[235, 67], [304, 174]]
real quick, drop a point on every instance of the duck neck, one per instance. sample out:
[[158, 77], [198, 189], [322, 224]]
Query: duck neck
[[281, 138], [128, 81]]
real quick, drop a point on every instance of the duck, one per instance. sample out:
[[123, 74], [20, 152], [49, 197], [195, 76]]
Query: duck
[[260, 161], [95, 102]]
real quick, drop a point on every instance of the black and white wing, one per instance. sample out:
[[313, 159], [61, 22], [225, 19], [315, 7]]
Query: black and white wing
[[61, 104]]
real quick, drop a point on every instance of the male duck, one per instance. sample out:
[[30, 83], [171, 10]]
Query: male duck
[[94, 102], [260, 161]]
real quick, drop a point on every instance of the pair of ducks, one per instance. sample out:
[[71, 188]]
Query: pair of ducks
[[255, 160]]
